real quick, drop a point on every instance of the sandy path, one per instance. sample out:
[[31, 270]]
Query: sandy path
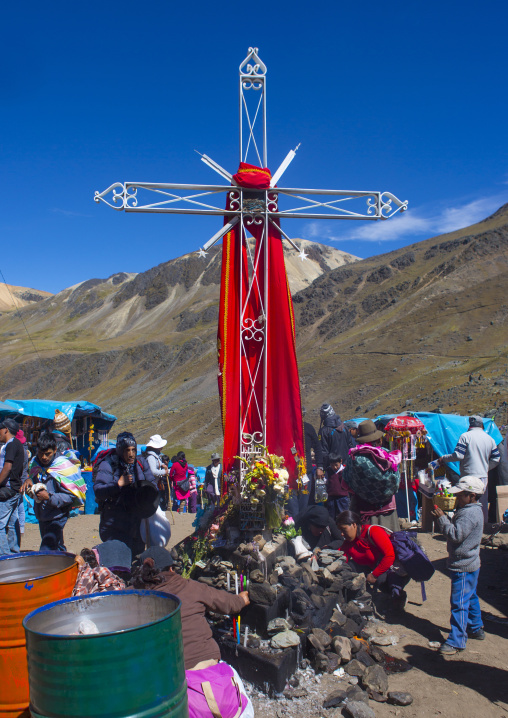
[[83, 530]]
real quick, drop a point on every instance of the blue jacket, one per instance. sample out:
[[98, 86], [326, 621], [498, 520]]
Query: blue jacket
[[60, 500], [116, 502]]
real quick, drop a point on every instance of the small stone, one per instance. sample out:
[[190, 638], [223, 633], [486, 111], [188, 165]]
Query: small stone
[[277, 625], [326, 560], [335, 698], [316, 643], [322, 636], [291, 693], [253, 642], [335, 566], [333, 662], [286, 639], [319, 662], [359, 584], [358, 709], [355, 668], [262, 593], [257, 576], [378, 697], [260, 542], [353, 680], [355, 693], [342, 648], [364, 658], [397, 698], [357, 644], [375, 679], [288, 561], [338, 617], [384, 640]]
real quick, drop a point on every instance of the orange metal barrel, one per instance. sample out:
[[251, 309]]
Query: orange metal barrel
[[27, 581]]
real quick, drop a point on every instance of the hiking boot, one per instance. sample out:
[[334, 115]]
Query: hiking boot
[[399, 602], [447, 650], [478, 635]]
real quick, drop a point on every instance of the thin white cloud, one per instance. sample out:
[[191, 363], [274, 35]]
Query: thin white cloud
[[413, 222], [69, 213]]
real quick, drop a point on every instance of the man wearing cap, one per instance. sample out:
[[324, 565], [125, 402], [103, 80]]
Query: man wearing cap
[[476, 453], [463, 535], [213, 479], [333, 435], [12, 459]]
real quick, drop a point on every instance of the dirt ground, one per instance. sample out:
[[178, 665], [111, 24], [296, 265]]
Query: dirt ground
[[471, 684]]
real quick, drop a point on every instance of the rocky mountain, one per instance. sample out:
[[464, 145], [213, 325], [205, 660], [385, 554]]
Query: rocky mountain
[[422, 328], [143, 346], [12, 298]]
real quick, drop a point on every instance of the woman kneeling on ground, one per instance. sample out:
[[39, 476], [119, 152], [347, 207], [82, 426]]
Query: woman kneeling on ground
[[370, 548]]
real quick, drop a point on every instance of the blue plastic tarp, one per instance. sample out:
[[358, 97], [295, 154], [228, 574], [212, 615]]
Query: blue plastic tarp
[[443, 431], [6, 410], [45, 409]]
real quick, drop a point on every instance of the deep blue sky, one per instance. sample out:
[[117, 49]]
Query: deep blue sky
[[408, 97]]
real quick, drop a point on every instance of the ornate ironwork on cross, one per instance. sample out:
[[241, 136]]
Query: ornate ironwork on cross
[[258, 374]]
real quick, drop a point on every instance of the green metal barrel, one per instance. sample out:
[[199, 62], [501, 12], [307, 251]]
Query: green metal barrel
[[132, 668]]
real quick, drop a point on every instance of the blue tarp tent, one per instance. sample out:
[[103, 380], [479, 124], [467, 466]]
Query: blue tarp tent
[[45, 409], [443, 431], [6, 410]]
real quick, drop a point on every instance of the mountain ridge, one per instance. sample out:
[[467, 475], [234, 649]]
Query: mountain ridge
[[404, 329]]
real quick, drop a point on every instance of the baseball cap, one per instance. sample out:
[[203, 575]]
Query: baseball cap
[[471, 484], [11, 426]]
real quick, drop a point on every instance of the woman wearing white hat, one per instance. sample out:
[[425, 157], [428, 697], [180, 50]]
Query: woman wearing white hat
[[153, 455]]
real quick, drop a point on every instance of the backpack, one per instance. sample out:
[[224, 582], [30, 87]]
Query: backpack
[[409, 554], [184, 485], [214, 692], [369, 482]]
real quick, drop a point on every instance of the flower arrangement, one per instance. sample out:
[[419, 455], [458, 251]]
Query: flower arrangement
[[288, 528], [265, 482]]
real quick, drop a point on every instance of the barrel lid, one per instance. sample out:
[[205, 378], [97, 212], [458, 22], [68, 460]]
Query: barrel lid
[[98, 597]]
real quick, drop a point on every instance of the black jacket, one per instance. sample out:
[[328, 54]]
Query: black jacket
[[331, 536], [311, 441], [335, 439], [210, 481]]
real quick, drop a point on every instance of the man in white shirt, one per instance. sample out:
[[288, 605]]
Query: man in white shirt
[[476, 453], [213, 479]]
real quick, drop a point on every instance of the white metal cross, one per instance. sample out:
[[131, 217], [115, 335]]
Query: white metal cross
[[248, 207]]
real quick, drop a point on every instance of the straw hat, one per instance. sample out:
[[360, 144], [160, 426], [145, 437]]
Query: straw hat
[[61, 422]]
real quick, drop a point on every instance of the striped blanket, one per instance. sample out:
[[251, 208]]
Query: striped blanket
[[66, 470]]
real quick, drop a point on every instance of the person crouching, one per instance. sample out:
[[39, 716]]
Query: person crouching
[[463, 535], [370, 548]]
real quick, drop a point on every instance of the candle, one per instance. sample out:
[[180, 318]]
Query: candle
[[236, 583], [238, 631], [229, 581], [246, 633]]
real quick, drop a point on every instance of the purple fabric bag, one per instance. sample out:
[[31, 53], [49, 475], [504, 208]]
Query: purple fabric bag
[[214, 693]]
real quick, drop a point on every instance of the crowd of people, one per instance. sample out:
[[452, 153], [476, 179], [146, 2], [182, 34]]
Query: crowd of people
[[347, 500]]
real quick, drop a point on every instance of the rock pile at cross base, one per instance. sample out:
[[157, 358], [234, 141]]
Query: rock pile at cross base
[[304, 620]]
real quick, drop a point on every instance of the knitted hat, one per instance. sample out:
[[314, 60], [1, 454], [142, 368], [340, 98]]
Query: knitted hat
[[161, 557], [326, 410], [61, 422], [115, 555]]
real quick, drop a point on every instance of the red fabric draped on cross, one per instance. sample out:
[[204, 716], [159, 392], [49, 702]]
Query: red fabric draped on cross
[[284, 425]]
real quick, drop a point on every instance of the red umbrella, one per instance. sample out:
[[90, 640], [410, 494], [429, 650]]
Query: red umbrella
[[405, 423]]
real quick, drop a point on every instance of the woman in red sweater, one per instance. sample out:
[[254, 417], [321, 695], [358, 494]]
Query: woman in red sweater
[[370, 548]]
